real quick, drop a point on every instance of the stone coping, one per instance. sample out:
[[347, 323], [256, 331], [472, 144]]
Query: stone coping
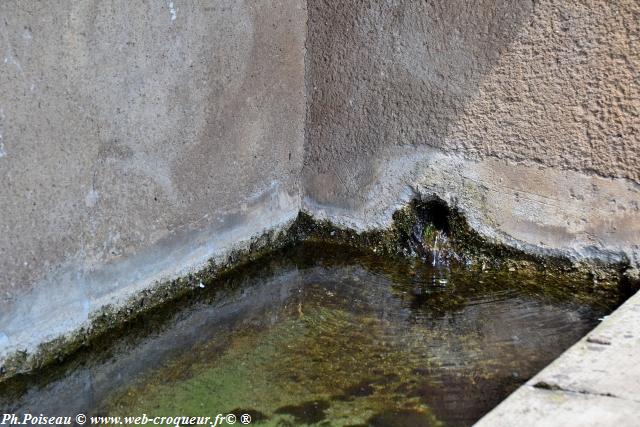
[[596, 382]]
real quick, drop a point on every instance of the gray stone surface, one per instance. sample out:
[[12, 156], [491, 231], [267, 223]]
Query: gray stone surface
[[523, 114], [528, 407], [138, 139], [594, 383]]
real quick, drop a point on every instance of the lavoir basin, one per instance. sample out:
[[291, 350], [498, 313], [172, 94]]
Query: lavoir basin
[[325, 335]]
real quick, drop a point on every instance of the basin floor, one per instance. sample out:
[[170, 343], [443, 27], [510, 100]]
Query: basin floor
[[324, 335]]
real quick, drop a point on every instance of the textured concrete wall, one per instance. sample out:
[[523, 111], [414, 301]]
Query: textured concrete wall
[[138, 139], [523, 114]]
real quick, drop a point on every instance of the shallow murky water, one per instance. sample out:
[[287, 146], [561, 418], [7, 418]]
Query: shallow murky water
[[324, 336]]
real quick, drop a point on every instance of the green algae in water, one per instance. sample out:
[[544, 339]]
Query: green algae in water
[[321, 335]]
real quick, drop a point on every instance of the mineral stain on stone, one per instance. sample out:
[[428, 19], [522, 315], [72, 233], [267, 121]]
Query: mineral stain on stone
[[306, 412], [361, 389], [401, 418], [324, 335]]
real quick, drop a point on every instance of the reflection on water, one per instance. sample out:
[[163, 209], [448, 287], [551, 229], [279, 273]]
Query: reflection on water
[[322, 336]]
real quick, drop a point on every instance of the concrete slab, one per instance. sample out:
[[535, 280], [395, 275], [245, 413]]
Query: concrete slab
[[594, 383], [533, 407], [604, 362]]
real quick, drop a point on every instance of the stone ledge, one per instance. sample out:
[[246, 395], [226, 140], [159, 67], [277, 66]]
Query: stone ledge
[[594, 383]]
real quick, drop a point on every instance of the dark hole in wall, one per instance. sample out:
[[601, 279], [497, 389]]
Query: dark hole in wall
[[431, 217], [435, 212]]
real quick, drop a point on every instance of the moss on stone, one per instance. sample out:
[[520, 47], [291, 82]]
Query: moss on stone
[[464, 245], [411, 235]]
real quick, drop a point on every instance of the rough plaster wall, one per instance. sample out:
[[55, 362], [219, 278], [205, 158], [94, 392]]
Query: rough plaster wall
[[138, 139], [565, 93], [492, 105]]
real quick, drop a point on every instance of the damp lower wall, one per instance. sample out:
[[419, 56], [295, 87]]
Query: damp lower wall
[[137, 141], [140, 139]]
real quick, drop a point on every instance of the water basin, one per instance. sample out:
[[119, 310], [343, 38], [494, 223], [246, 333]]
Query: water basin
[[324, 335]]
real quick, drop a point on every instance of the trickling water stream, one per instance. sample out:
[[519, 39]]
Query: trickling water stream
[[321, 335]]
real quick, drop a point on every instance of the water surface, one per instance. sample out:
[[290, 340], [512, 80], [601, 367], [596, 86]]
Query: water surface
[[322, 335]]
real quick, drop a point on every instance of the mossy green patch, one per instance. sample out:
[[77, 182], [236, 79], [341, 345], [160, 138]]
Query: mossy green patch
[[413, 234], [323, 334], [289, 373]]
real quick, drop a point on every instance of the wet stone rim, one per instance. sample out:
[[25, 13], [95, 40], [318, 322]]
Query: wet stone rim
[[425, 228]]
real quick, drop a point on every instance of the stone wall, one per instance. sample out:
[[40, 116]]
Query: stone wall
[[138, 139], [525, 115]]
